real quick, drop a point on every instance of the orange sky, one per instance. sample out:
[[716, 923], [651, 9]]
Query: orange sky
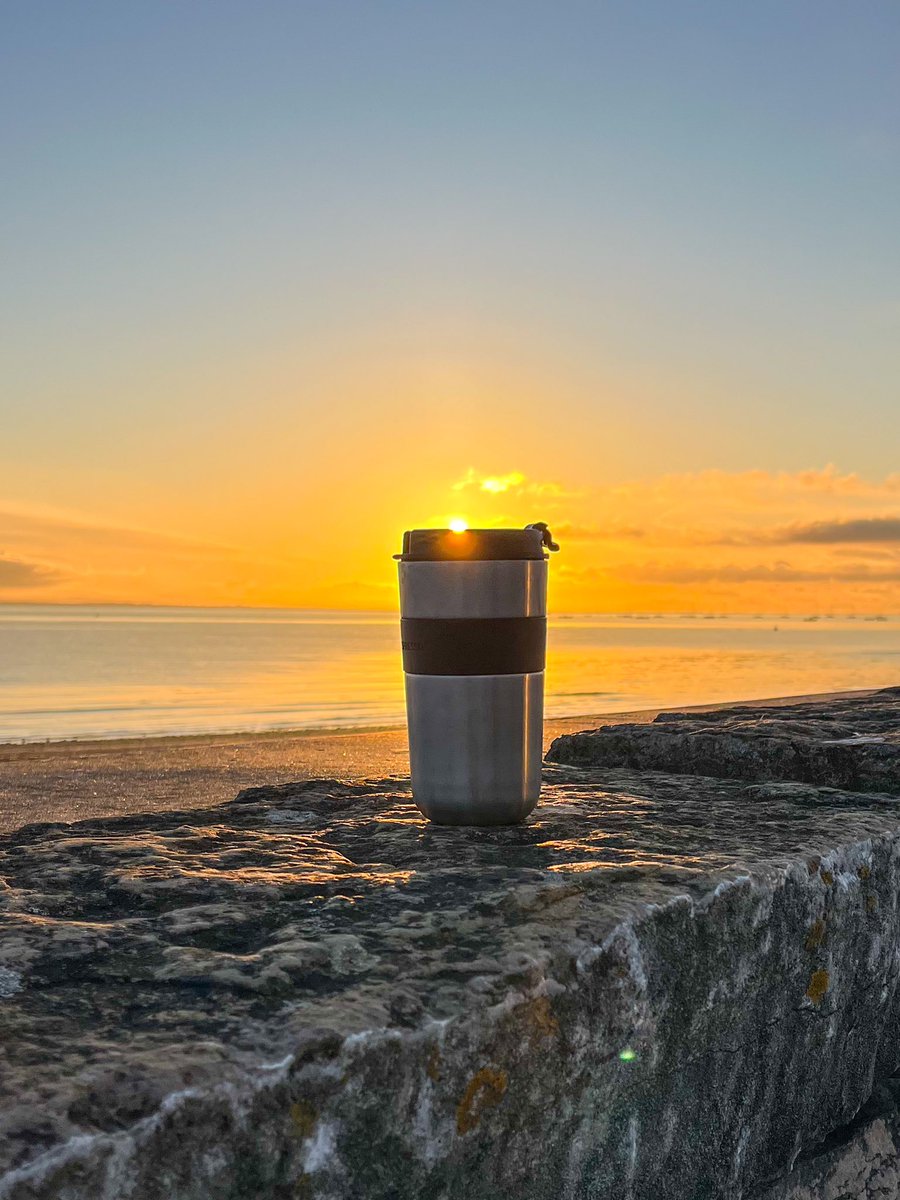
[[281, 281], [752, 541]]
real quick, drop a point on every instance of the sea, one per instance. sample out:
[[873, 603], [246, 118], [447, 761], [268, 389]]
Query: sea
[[105, 672]]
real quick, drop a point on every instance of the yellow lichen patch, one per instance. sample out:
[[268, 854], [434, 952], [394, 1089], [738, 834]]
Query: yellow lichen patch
[[816, 935], [539, 1018], [486, 1089], [828, 878], [303, 1118], [433, 1066], [818, 986], [303, 1189], [864, 872], [871, 903]]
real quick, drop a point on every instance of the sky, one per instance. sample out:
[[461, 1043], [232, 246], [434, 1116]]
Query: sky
[[283, 279]]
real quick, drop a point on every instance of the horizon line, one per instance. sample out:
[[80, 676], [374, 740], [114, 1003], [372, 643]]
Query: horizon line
[[777, 614]]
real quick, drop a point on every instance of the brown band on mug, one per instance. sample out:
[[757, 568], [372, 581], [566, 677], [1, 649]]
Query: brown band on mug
[[473, 645]]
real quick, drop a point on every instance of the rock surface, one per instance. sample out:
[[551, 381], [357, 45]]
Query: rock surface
[[858, 1162], [851, 743], [658, 987]]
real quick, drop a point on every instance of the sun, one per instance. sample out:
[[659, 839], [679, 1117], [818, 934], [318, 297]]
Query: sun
[[458, 524]]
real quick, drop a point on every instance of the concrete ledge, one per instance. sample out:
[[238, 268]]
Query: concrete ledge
[[850, 742], [660, 986]]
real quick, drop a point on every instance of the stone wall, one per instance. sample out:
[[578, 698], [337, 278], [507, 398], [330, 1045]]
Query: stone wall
[[661, 987]]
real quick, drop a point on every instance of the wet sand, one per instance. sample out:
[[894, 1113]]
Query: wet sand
[[70, 781]]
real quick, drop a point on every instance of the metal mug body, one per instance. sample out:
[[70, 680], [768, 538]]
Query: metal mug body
[[475, 740]]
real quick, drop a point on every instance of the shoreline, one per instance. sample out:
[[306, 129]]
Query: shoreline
[[141, 739], [85, 778], [125, 741]]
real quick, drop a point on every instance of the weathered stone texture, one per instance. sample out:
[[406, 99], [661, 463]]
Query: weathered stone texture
[[852, 743], [859, 1162], [658, 987]]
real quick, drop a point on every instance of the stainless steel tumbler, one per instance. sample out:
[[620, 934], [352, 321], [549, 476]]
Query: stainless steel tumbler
[[473, 609]]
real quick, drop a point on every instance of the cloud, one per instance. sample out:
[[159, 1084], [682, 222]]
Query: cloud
[[854, 529], [22, 525], [14, 574], [94, 561], [780, 572], [834, 532], [865, 551], [752, 491], [503, 483], [825, 480], [711, 507], [512, 483]]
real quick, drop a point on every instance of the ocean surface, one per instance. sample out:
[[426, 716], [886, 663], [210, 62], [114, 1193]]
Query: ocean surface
[[71, 672]]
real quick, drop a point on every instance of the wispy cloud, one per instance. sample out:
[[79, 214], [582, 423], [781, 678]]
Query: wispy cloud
[[854, 529], [865, 551], [681, 539], [512, 483], [495, 484], [16, 574], [780, 572], [731, 573], [20, 524], [740, 509], [90, 560], [840, 531]]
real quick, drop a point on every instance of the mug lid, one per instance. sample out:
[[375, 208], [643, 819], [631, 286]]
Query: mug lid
[[474, 545]]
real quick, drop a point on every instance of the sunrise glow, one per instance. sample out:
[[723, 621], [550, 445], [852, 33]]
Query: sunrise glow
[[246, 349]]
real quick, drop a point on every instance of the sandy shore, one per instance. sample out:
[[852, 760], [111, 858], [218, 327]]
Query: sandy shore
[[69, 781]]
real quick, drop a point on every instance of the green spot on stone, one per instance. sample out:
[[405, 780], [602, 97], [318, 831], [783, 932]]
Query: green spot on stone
[[627, 1055]]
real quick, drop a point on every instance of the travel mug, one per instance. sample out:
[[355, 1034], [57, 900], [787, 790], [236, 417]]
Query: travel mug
[[473, 609]]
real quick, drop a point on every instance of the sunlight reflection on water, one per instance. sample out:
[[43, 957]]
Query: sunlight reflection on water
[[102, 672]]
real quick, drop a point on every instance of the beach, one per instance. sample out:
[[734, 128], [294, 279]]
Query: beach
[[80, 779]]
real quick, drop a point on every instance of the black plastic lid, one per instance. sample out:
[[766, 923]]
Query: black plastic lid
[[441, 545]]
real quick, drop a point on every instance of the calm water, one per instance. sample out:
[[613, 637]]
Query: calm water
[[102, 672]]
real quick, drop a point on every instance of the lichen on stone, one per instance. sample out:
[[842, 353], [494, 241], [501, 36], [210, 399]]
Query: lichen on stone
[[818, 986], [303, 1118], [485, 1090], [816, 935]]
